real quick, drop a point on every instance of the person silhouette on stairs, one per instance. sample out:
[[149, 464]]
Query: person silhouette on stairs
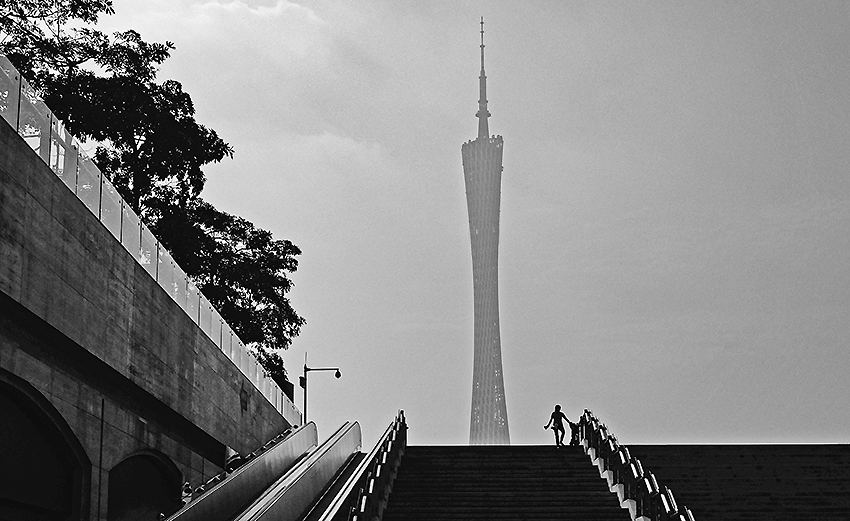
[[556, 420]]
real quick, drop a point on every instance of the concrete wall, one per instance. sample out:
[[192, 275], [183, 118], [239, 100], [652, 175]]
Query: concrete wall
[[86, 326]]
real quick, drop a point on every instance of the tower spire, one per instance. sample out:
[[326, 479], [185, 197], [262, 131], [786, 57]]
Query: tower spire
[[483, 113]]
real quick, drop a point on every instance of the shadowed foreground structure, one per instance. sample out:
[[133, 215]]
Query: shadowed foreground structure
[[716, 482], [777, 482], [118, 381]]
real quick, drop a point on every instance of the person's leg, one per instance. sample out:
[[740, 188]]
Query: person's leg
[[555, 431]]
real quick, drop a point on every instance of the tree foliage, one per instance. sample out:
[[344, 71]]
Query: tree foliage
[[104, 87], [239, 267]]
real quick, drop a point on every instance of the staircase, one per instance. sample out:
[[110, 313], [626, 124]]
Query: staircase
[[498, 482]]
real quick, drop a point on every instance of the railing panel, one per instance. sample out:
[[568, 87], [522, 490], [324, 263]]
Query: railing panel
[[88, 184], [215, 327], [245, 361], [110, 207], [193, 299], [165, 271], [227, 340], [72, 154], [60, 142], [10, 88], [205, 316], [264, 382], [148, 253], [131, 231], [247, 365], [250, 366], [238, 350], [34, 121], [181, 283]]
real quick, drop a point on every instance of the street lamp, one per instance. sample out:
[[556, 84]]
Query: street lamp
[[302, 381]]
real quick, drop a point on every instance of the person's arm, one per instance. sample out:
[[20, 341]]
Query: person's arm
[[550, 422]]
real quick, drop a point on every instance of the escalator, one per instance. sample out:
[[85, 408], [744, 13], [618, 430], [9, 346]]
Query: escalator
[[295, 479], [233, 493], [295, 494]]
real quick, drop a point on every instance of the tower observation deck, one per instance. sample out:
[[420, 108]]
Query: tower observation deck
[[482, 172]]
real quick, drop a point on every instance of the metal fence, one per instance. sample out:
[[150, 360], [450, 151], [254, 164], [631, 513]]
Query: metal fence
[[23, 109]]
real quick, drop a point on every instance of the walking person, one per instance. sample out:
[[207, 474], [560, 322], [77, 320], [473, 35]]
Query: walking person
[[556, 420]]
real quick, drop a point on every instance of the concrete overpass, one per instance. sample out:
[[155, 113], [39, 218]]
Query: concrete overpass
[[115, 376]]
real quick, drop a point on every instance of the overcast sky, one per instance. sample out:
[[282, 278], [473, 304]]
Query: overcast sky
[[675, 228]]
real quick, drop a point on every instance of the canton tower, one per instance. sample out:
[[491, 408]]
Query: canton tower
[[482, 172]]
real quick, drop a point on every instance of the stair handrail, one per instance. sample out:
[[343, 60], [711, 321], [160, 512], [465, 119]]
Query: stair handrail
[[383, 467], [651, 501], [342, 504]]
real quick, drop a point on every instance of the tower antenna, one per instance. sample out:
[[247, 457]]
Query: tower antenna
[[483, 113], [482, 43]]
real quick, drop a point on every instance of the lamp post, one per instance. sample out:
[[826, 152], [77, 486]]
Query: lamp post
[[302, 380]]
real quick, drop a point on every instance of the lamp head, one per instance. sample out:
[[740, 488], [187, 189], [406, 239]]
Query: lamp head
[[338, 374]]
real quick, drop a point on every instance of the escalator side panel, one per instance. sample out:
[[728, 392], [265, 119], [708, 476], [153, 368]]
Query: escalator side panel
[[292, 497], [245, 484], [335, 488]]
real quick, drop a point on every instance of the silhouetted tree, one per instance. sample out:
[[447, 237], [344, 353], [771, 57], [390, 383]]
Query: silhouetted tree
[[152, 149]]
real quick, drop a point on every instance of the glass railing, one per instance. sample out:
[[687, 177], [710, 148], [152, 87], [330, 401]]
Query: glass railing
[[23, 109]]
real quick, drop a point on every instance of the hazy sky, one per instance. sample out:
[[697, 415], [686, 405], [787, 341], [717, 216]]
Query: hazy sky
[[675, 228]]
